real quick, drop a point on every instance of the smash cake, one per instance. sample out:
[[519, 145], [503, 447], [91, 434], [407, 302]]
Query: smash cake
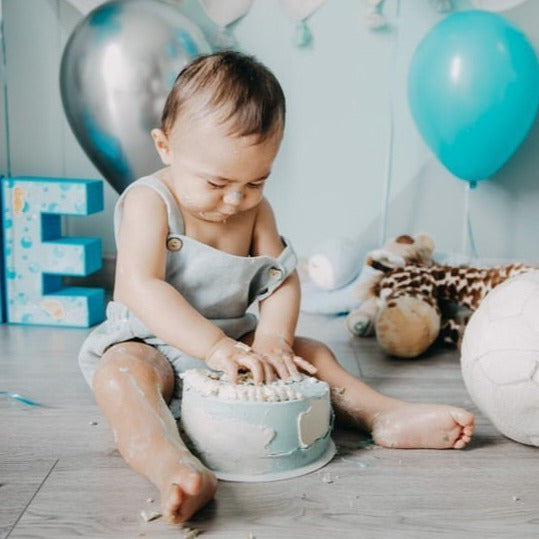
[[248, 432]]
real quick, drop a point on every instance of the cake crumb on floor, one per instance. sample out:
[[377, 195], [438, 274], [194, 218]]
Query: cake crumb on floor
[[148, 516]]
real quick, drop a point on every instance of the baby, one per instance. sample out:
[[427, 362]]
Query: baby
[[197, 245]]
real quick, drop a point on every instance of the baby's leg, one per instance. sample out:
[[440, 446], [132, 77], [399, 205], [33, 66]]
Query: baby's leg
[[391, 422], [131, 385]]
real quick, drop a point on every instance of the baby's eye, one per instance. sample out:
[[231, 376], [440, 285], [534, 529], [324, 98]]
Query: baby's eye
[[214, 185], [256, 185]]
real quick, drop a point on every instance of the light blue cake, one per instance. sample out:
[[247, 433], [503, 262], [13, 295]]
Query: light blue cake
[[247, 432]]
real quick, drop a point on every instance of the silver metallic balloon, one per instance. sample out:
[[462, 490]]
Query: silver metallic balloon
[[117, 68]]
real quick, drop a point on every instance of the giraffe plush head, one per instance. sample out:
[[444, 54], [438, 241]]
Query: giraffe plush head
[[401, 251]]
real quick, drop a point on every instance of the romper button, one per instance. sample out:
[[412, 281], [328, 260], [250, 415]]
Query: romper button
[[275, 273], [174, 244]]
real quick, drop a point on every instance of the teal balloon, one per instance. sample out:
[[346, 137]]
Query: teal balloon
[[473, 90]]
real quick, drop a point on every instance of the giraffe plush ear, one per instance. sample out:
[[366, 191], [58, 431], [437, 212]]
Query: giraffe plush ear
[[425, 248], [383, 260], [412, 249], [400, 251]]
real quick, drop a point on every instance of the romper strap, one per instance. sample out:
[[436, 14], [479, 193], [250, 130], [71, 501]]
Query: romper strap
[[288, 258], [175, 220]]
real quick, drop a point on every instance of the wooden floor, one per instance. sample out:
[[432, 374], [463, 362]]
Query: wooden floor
[[60, 475]]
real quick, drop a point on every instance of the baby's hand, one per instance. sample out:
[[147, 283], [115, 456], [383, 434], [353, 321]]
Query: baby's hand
[[229, 356], [279, 357]]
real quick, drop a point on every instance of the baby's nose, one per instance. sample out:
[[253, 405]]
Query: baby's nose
[[233, 198]]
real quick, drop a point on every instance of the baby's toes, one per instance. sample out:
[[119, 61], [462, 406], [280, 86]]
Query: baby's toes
[[171, 503], [463, 418], [462, 440], [460, 443]]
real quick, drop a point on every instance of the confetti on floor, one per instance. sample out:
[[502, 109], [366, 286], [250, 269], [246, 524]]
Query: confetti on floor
[[148, 516], [327, 478]]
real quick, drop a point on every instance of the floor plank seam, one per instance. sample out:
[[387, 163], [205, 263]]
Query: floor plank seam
[[32, 499]]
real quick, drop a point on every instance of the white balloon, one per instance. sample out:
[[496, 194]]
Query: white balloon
[[301, 9], [497, 5], [225, 13]]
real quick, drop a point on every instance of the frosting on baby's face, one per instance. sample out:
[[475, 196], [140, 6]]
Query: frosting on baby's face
[[215, 175]]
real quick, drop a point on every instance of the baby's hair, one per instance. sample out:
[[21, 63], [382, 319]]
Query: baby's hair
[[237, 88]]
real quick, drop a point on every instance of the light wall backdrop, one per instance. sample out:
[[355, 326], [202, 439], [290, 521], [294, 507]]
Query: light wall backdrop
[[349, 128]]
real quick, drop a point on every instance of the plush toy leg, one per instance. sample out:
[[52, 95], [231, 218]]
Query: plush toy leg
[[452, 329], [360, 322], [450, 333], [407, 327]]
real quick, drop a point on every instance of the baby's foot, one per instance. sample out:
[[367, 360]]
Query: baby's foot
[[186, 491], [428, 426]]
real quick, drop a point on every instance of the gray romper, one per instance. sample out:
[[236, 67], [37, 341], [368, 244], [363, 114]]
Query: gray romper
[[218, 285]]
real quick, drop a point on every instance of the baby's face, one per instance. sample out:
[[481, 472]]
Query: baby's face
[[216, 175]]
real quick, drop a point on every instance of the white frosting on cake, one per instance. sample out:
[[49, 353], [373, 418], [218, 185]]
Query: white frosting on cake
[[254, 432], [213, 384]]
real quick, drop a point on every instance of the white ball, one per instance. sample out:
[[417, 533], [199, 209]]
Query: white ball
[[500, 357]]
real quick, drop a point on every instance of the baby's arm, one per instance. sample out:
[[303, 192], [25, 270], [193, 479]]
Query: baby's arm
[[279, 312], [140, 285]]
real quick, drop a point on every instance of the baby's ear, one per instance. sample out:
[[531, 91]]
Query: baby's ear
[[162, 145]]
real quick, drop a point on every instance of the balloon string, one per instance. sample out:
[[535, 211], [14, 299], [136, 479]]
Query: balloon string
[[464, 246], [467, 232], [470, 233], [387, 183], [389, 160], [3, 71]]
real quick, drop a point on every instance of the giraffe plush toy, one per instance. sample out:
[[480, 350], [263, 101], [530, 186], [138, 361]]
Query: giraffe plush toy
[[409, 307]]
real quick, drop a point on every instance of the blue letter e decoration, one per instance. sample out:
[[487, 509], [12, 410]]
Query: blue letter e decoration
[[37, 256]]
